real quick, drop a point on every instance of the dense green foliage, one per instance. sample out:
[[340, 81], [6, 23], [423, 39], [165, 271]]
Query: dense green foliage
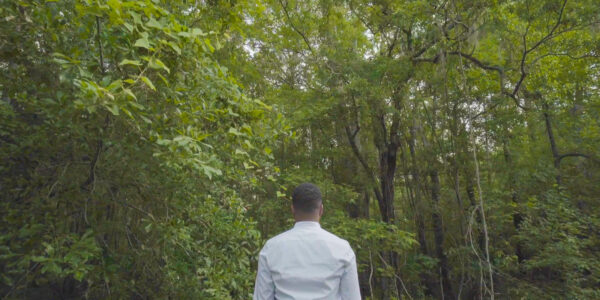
[[125, 147], [147, 147]]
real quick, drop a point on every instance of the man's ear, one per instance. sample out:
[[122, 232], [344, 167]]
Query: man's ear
[[292, 207], [321, 210]]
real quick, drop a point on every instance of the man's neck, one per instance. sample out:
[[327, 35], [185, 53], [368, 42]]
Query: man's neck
[[307, 224], [307, 219]]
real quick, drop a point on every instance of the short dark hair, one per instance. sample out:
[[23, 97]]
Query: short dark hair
[[306, 198]]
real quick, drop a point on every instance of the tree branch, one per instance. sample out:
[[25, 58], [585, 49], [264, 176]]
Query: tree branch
[[100, 45], [560, 157], [489, 67], [284, 7], [393, 44], [583, 56], [351, 139], [478, 62], [383, 129], [526, 51], [92, 172], [551, 33], [361, 19], [363, 162]]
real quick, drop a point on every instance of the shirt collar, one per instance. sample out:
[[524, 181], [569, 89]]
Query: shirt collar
[[307, 224]]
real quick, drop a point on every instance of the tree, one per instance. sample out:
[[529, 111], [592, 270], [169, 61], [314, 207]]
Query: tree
[[121, 136]]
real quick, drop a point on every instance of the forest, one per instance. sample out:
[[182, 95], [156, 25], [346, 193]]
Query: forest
[[148, 148]]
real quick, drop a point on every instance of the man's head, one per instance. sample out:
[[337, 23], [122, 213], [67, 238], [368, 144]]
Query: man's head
[[307, 204]]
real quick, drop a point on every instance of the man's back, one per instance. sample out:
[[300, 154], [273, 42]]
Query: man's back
[[306, 263]]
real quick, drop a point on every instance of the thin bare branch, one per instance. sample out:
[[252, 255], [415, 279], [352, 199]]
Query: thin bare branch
[[559, 158], [526, 50], [285, 11]]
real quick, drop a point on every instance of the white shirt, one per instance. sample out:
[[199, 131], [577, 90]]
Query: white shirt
[[306, 263]]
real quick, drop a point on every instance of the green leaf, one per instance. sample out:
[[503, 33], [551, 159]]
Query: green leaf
[[142, 43], [184, 34], [241, 152], [114, 109], [153, 23], [194, 32], [128, 26], [149, 83], [60, 61], [197, 32], [145, 119], [163, 142], [263, 104], [127, 112], [79, 275], [136, 105], [130, 62], [136, 17], [210, 47], [175, 47], [115, 85], [129, 93], [209, 171], [163, 79], [156, 63]]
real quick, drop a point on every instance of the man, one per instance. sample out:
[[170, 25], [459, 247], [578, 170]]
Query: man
[[306, 262]]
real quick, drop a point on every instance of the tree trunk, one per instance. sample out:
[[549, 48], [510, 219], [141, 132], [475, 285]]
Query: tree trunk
[[517, 217], [438, 232], [471, 195], [552, 140], [430, 286], [387, 167]]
